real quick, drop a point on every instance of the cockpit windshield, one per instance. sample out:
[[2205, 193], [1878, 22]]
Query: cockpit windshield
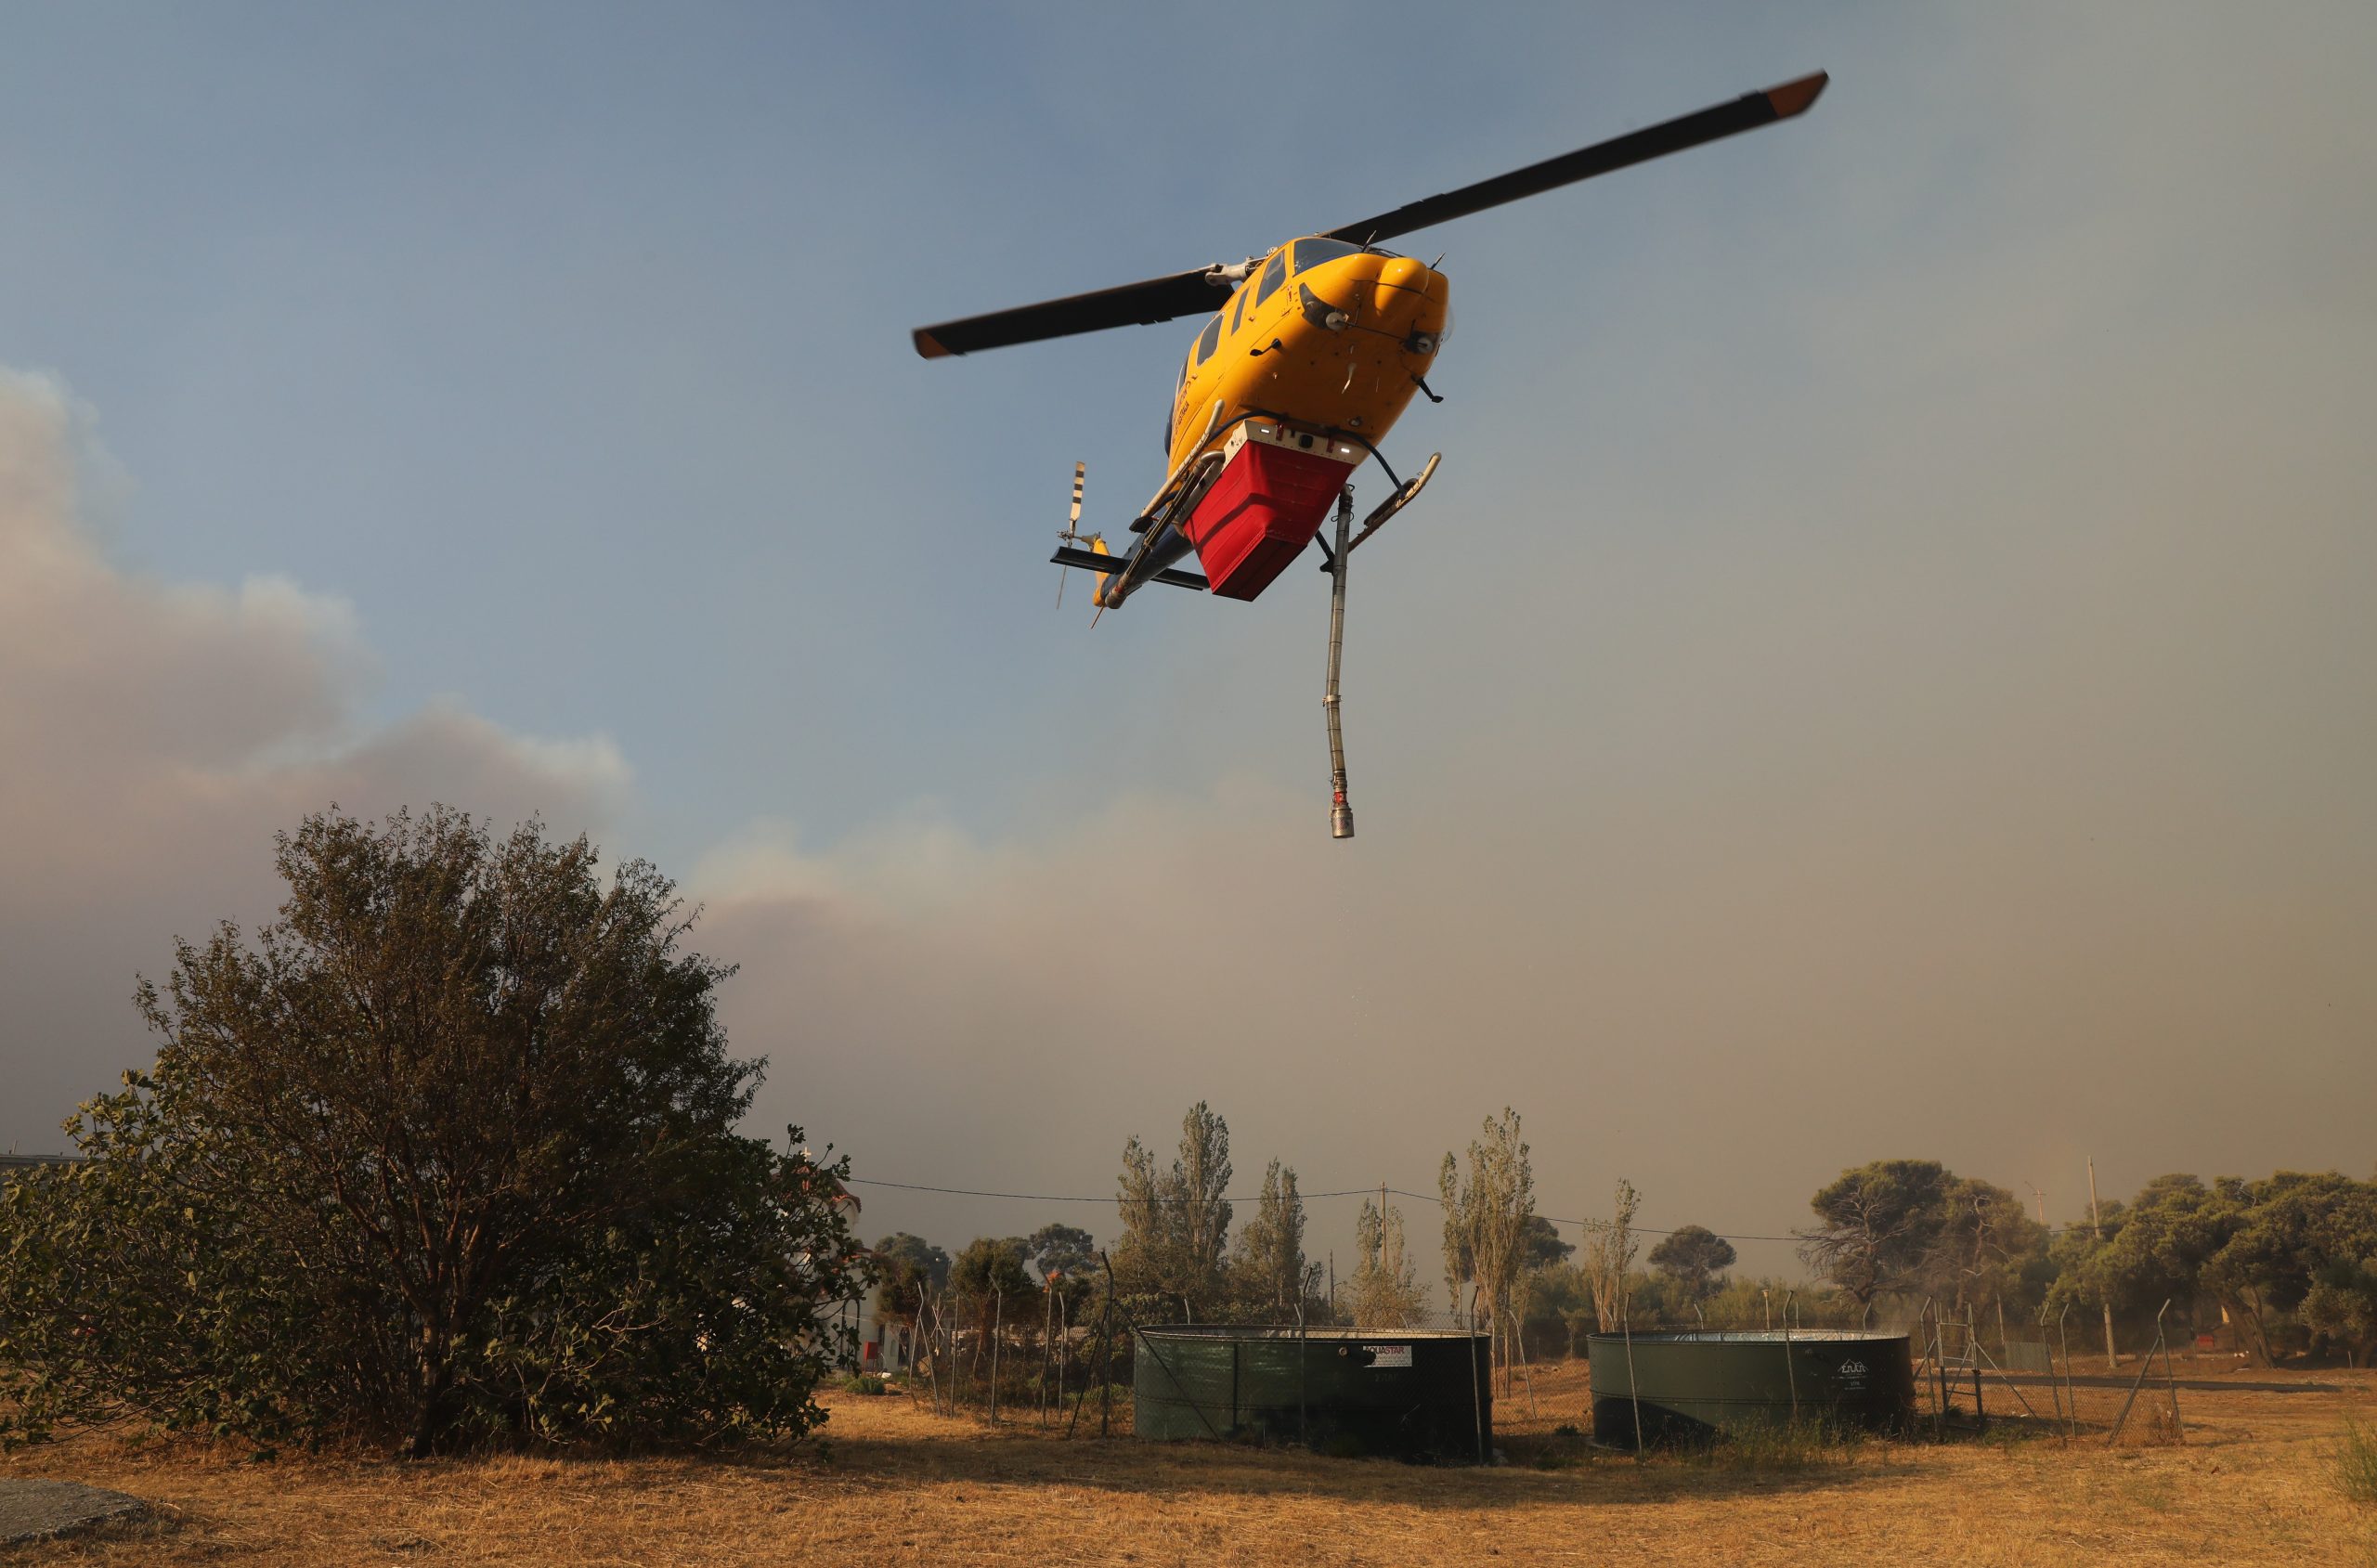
[[1312, 252]]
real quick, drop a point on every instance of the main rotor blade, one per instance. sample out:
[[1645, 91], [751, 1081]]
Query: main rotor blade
[[1745, 114], [1132, 304]]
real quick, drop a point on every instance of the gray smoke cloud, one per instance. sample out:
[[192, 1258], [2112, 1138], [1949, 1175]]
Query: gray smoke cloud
[[154, 735], [1921, 698], [1904, 687]]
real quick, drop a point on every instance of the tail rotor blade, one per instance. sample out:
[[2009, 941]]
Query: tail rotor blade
[[1071, 533]]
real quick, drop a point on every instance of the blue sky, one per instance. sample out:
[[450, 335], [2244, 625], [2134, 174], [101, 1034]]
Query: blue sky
[[1897, 604], [577, 337]]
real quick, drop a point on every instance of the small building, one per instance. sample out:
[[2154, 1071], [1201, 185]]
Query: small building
[[883, 1344]]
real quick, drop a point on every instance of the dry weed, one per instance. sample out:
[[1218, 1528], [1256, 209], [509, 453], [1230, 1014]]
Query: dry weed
[[2355, 1462], [2252, 1484]]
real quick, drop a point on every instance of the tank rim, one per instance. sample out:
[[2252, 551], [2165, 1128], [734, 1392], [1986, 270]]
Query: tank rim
[[1292, 1331], [1749, 1336]]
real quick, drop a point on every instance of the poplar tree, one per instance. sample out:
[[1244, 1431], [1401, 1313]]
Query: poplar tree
[[1176, 1224], [1270, 1267], [1385, 1289], [1609, 1257], [1487, 1209]]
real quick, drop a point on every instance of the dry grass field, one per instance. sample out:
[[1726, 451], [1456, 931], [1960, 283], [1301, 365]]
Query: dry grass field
[[899, 1485]]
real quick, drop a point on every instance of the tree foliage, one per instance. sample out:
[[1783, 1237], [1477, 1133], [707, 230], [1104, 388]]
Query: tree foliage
[[1984, 1249], [1695, 1258], [992, 1266], [1384, 1290], [1269, 1265], [1609, 1258], [2294, 1233], [1877, 1226], [1487, 1208], [911, 1269], [1540, 1247], [1063, 1250], [445, 1155], [1176, 1224]]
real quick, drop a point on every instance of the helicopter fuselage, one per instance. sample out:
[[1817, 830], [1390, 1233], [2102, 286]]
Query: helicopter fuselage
[[1323, 334], [1285, 392]]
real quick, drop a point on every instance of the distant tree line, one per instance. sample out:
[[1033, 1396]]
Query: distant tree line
[[2286, 1264]]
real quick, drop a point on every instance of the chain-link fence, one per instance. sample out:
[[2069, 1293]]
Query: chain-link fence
[[1067, 1364]]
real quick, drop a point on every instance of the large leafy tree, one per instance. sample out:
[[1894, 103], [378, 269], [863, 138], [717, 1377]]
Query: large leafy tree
[[2291, 1253], [2152, 1251], [1985, 1249], [1063, 1250], [1694, 1258], [446, 1154], [992, 1266], [2342, 1305], [911, 1269], [1876, 1226], [1540, 1247], [2294, 1233]]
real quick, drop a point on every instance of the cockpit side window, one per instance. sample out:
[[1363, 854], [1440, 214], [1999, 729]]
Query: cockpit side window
[[1237, 310], [1275, 274], [1312, 252], [1211, 338]]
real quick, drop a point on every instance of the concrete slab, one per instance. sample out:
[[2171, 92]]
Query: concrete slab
[[40, 1510]]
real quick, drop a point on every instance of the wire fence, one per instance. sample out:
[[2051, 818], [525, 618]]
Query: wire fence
[[1065, 1364]]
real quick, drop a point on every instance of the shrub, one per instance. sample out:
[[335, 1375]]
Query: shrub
[[446, 1157]]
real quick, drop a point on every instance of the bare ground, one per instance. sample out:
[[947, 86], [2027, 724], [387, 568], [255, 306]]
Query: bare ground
[[898, 1485]]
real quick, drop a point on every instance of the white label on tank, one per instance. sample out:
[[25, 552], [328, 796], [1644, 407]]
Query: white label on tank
[[1389, 1356]]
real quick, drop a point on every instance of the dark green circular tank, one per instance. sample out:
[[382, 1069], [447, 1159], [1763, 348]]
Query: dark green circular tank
[[1692, 1386], [1415, 1393]]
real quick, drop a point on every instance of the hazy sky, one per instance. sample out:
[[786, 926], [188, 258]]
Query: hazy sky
[[1889, 666]]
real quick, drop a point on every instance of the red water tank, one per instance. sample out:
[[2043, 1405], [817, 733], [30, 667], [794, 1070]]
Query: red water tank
[[1263, 509]]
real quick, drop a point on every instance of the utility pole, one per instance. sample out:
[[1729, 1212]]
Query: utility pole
[[2041, 1197], [2095, 1228]]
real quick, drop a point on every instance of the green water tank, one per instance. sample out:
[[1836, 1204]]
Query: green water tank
[[1413, 1393], [1692, 1386]]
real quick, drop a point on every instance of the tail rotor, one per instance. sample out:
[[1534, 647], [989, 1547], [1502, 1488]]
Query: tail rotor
[[1071, 533]]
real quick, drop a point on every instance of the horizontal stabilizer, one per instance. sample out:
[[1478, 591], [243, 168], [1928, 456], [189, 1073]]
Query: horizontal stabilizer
[[1068, 556]]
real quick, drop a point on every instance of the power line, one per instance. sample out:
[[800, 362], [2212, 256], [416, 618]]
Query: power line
[[1341, 1192], [1346, 1192]]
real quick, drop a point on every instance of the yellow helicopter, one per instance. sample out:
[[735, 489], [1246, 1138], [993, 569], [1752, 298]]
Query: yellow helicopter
[[1314, 351]]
